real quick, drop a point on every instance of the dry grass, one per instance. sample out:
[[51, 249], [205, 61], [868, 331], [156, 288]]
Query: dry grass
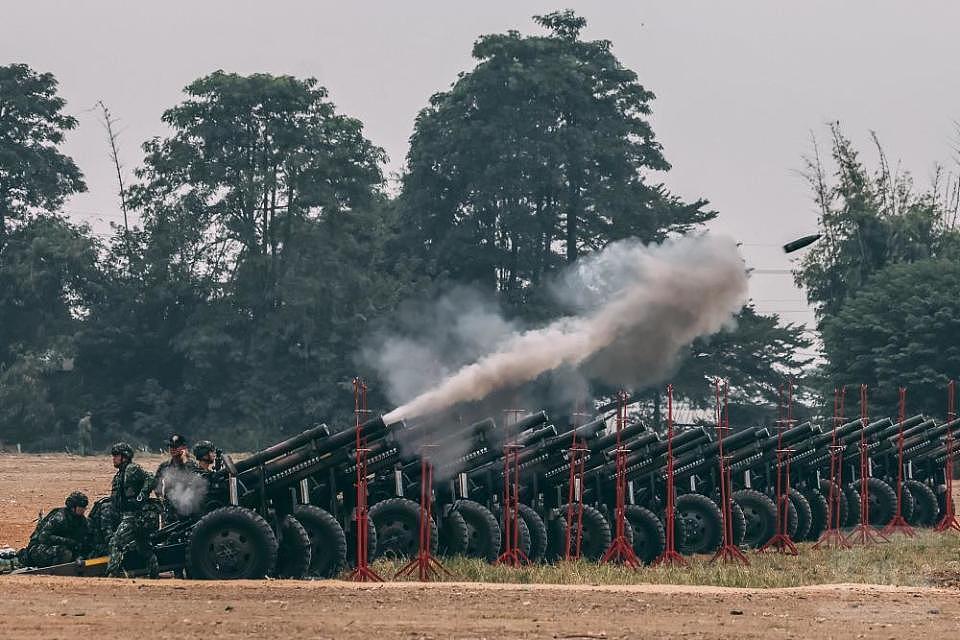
[[929, 559]]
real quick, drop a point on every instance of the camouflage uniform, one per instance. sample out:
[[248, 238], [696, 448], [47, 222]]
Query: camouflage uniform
[[131, 487], [59, 537], [170, 513]]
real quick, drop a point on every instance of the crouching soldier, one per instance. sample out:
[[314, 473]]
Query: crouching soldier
[[130, 492], [61, 536]]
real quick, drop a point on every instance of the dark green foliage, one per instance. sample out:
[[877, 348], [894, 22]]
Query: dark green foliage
[[871, 220], [34, 175], [533, 157], [900, 329]]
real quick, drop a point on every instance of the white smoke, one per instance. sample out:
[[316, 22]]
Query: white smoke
[[185, 490], [636, 308]]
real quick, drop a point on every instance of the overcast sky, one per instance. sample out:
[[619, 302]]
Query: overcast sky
[[740, 85]]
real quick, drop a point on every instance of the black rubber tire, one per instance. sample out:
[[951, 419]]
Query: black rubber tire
[[941, 501], [703, 524], [739, 523], [352, 542], [804, 514], [294, 550], [841, 501], [906, 510], [328, 542], [523, 539], [596, 532], [925, 507], [483, 540], [231, 543], [851, 495], [454, 534], [649, 537], [398, 528], [679, 528], [819, 514], [538, 532], [883, 502], [761, 513]]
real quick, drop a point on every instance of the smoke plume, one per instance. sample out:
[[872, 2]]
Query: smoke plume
[[185, 490], [634, 308]]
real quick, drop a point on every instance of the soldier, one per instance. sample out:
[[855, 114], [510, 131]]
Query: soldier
[[61, 536], [85, 434], [131, 489], [205, 454], [166, 476]]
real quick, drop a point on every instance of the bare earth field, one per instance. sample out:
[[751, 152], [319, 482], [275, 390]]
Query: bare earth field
[[50, 607]]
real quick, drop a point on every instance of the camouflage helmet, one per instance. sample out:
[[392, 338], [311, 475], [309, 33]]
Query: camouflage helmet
[[202, 448], [176, 441], [77, 499], [122, 449]]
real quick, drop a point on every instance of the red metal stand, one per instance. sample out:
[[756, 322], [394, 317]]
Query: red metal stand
[[362, 572], [620, 549], [512, 555], [670, 555], [728, 552], [781, 541], [864, 533], [426, 565], [949, 521], [833, 536], [899, 524], [573, 536]]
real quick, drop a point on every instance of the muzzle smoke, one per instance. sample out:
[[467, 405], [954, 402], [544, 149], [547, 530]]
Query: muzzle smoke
[[636, 308], [185, 490]]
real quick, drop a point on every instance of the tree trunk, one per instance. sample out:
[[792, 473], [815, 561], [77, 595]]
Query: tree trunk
[[573, 216]]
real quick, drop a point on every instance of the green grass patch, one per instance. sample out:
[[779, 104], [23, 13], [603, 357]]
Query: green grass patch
[[928, 559]]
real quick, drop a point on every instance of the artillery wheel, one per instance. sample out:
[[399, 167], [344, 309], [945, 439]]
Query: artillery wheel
[[739, 523], [596, 532], [842, 501], [819, 514], [804, 513], [761, 514], [702, 524], [538, 532], [352, 542], [398, 528], [925, 507], [231, 543], [851, 495], [483, 532], [328, 543], [454, 534], [649, 537], [523, 535], [883, 502], [294, 551]]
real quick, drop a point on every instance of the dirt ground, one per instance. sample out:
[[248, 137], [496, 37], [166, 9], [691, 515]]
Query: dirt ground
[[48, 607]]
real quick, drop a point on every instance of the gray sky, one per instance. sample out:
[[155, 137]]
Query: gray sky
[[739, 85]]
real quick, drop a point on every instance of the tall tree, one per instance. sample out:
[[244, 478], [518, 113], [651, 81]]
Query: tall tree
[[536, 155], [871, 219], [34, 176], [899, 329]]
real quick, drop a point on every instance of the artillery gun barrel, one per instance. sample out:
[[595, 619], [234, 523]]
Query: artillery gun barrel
[[913, 424], [279, 449]]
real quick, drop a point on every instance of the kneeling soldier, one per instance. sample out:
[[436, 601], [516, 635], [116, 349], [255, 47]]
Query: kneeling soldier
[[61, 536]]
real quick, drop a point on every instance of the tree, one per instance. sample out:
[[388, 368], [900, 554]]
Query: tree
[[250, 157], [757, 356], [535, 156], [34, 176], [899, 329], [259, 261], [871, 220]]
